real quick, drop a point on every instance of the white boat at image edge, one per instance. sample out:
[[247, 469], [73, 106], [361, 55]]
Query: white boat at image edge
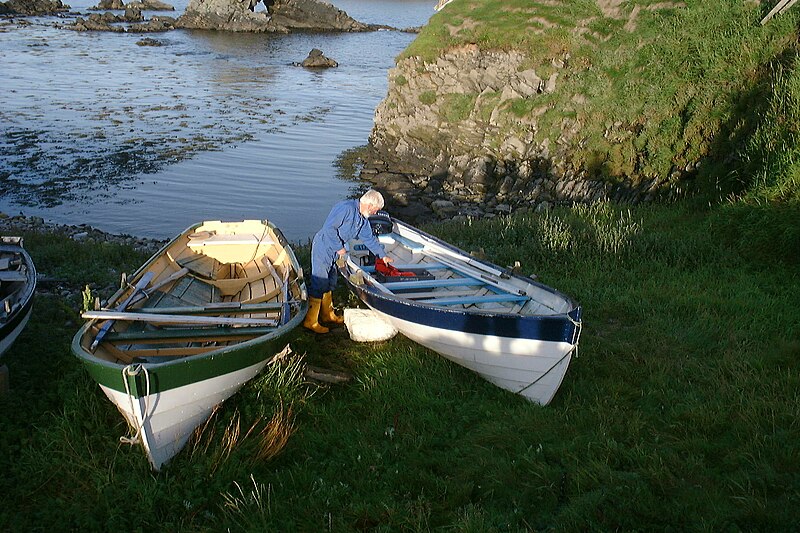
[[197, 321], [17, 286], [511, 330]]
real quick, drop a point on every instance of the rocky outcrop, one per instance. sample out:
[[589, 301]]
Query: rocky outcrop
[[152, 5], [447, 140], [316, 59], [32, 7], [280, 16], [131, 22]]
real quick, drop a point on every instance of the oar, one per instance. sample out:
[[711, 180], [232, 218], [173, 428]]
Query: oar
[[172, 277], [285, 314], [178, 319], [473, 272], [141, 285]]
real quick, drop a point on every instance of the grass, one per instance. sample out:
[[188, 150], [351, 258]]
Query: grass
[[662, 86], [679, 413]]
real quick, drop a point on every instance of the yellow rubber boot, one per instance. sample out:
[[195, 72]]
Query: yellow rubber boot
[[326, 313], [312, 317]]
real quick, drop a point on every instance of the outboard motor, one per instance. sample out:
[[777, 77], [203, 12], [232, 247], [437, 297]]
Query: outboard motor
[[381, 223]]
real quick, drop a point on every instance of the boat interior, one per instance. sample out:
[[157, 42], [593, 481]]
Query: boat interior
[[220, 285], [438, 275], [13, 278]]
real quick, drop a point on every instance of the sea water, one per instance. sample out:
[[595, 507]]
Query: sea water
[[147, 140]]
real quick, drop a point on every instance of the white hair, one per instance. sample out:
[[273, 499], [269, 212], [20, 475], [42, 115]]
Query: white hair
[[373, 198]]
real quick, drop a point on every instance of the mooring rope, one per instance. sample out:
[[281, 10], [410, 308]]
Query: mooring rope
[[133, 371], [576, 335]]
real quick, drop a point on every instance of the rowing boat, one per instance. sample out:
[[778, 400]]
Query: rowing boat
[[199, 319], [17, 285], [513, 331]]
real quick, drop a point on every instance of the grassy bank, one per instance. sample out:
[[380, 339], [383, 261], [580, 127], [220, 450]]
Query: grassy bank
[[680, 411], [644, 90]]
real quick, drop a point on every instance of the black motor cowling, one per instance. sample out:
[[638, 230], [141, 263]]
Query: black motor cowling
[[381, 223]]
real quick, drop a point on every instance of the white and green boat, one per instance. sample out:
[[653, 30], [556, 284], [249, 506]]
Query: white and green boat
[[202, 317]]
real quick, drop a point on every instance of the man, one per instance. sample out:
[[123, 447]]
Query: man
[[347, 220]]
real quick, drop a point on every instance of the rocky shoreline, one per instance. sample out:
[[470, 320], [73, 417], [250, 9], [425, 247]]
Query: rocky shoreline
[[48, 284], [445, 145], [80, 233]]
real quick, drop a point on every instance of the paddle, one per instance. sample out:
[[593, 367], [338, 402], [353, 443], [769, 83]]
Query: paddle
[[140, 286]]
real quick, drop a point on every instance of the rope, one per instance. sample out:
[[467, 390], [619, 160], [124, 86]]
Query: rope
[[133, 371], [577, 333]]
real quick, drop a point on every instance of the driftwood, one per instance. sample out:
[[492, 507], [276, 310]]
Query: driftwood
[[779, 9]]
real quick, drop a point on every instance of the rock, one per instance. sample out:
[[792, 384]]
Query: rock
[[316, 59], [104, 5], [281, 16], [152, 5], [149, 42], [33, 7]]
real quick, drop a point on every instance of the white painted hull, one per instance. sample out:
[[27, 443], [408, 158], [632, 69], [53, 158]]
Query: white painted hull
[[532, 368], [167, 419], [9, 339]]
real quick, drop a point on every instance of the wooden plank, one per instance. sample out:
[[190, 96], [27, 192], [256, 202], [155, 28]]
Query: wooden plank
[[414, 246], [406, 266], [432, 283], [202, 265], [476, 299], [787, 6], [141, 285], [187, 334], [217, 308], [437, 294], [116, 352], [467, 270], [12, 275], [226, 239], [166, 281], [181, 351], [194, 291], [155, 318], [782, 4], [265, 297]]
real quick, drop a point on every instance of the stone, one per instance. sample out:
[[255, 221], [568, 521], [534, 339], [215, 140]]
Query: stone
[[282, 16], [316, 59], [33, 7]]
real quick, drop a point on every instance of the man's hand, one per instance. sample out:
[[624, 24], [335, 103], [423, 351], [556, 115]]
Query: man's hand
[[387, 259]]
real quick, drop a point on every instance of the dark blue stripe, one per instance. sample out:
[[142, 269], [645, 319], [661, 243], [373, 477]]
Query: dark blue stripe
[[557, 328]]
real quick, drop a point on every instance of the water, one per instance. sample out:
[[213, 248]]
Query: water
[[146, 140]]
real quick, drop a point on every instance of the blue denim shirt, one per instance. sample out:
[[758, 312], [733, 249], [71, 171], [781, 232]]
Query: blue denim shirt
[[346, 222]]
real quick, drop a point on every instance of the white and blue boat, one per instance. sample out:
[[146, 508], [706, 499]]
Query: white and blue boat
[[17, 285], [513, 331]]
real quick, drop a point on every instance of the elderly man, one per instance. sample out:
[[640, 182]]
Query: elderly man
[[347, 220]]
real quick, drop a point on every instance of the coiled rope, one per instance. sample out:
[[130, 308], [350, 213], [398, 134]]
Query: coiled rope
[[133, 371]]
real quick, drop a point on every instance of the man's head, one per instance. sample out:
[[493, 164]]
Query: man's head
[[370, 203]]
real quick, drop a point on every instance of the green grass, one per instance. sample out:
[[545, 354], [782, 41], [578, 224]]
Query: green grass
[[679, 413], [662, 91]]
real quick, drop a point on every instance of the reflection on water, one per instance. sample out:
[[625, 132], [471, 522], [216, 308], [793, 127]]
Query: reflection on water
[[146, 140]]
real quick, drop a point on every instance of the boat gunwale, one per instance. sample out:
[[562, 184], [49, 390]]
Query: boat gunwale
[[26, 297], [574, 313], [90, 359]]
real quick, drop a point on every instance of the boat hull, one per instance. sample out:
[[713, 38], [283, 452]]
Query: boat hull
[[167, 419], [11, 330], [21, 296], [527, 354], [165, 398]]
